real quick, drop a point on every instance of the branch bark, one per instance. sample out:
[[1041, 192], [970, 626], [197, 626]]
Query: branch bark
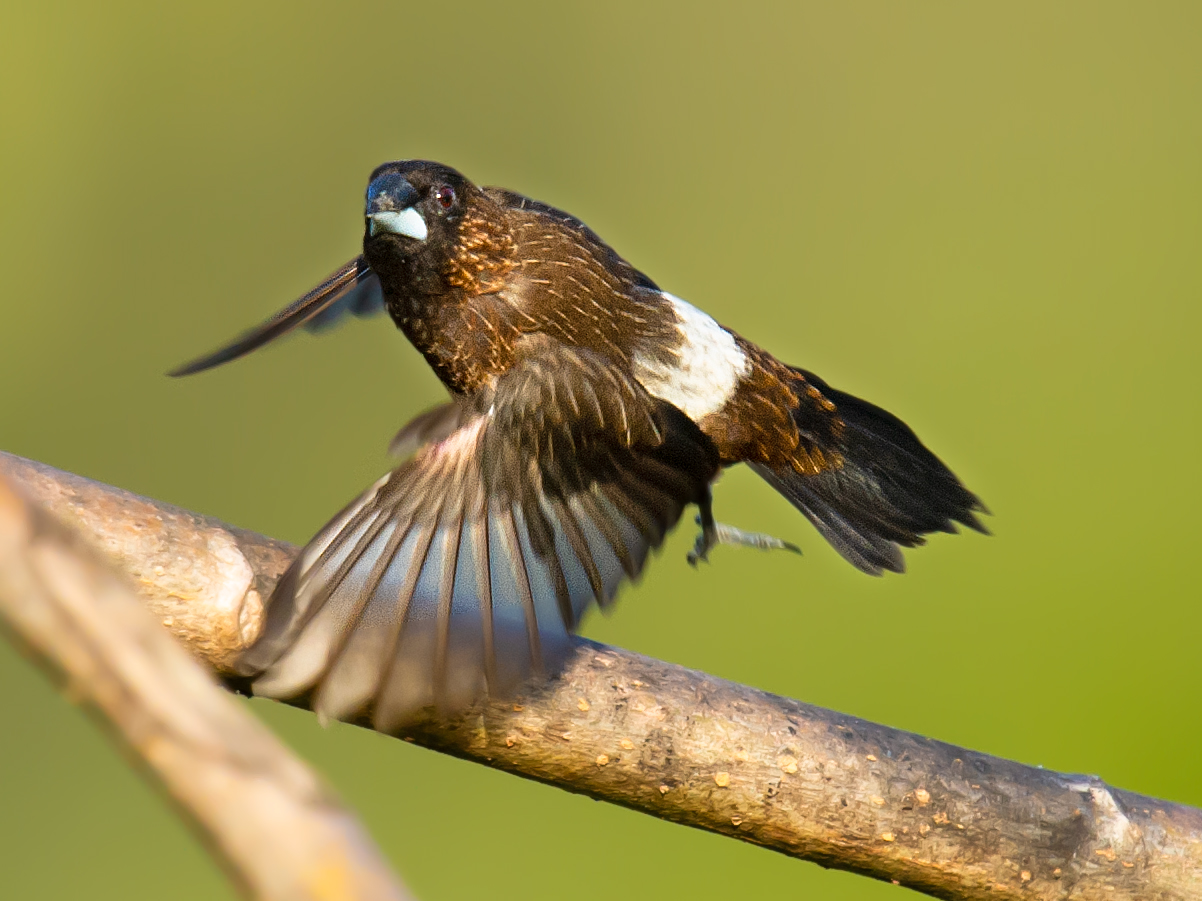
[[685, 746], [274, 825]]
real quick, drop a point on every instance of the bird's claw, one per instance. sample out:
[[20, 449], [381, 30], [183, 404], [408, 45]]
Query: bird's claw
[[699, 553], [721, 533]]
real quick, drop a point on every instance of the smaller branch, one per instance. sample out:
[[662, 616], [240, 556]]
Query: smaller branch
[[274, 825]]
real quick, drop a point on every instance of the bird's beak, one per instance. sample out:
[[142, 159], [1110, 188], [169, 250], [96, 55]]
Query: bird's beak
[[390, 208]]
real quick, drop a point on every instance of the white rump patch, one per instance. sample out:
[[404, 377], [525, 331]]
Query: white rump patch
[[709, 369]]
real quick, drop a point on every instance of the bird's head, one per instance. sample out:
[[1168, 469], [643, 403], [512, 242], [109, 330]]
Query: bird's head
[[428, 228]]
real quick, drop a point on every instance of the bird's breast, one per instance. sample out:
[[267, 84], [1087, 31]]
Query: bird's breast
[[465, 340]]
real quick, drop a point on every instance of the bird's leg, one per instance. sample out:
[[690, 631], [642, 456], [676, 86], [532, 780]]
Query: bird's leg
[[715, 533], [709, 531]]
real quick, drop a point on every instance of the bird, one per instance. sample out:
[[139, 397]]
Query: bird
[[588, 409]]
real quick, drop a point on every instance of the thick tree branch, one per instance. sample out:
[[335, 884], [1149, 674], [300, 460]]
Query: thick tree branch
[[270, 820], [688, 747]]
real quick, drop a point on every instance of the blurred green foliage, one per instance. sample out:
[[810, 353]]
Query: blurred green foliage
[[985, 218]]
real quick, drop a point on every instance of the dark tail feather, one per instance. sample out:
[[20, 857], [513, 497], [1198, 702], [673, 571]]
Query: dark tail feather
[[889, 492]]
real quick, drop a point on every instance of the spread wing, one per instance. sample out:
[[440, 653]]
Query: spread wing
[[351, 289], [464, 571]]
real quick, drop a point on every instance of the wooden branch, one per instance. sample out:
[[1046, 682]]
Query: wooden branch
[[272, 823], [688, 747]]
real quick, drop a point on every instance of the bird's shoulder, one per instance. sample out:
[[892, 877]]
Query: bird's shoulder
[[560, 234], [575, 393]]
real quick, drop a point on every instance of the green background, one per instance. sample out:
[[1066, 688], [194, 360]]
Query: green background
[[985, 219]]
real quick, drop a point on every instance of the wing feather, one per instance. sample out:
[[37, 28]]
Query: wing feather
[[580, 549], [483, 562], [465, 570], [404, 657], [608, 536], [350, 289]]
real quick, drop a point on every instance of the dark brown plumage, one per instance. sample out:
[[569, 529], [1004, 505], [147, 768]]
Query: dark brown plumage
[[589, 408]]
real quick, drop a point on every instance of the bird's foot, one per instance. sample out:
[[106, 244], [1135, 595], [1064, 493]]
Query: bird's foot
[[716, 533]]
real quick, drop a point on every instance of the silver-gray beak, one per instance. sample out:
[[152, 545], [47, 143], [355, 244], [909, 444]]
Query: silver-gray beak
[[407, 222], [391, 208]]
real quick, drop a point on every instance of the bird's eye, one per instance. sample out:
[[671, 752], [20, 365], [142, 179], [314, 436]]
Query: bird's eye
[[445, 195]]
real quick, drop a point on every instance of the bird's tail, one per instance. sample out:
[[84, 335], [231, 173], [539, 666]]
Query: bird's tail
[[888, 492]]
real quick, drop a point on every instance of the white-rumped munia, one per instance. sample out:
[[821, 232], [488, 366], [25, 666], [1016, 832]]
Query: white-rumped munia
[[588, 409]]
